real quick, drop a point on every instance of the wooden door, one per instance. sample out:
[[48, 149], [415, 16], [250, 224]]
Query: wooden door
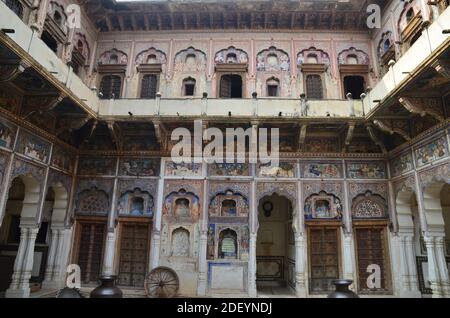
[[91, 238], [133, 254]]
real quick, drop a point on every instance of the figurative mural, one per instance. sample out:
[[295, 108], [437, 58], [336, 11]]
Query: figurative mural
[[366, 170], [113, 57], [182, 205], [136, 203], [145, 167], [231, 55], [272, 60], [283, 170], [33, 147], [97, 166], [173, 169], [369, 205], [229, 204], [322, 170], [228, 169], [7, 134], [190, 60], [432, 151], [402, 164], [62, 159], [323, 206]]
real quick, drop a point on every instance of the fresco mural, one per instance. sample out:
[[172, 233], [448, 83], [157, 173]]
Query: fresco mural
[[136, 203], [284, 170], [173, 169], [229, 169], [97, 166], [33, 147], [145, 167], [432, 151], [7, 134], [62, 159], [402, 164], [322, 170], [323, 206], [366, 170]]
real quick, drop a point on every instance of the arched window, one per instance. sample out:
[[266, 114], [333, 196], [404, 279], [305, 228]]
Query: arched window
[[312, 59], [149, 86], [180, 242], [114, 59], [409, 15], [231, 86], [387, 45], [50, 41], [80, 46], [57, 17], [151, 59], [354, 85], [137, 206], [16, 7], [272, 59], [231, 58], [352, 59], [273, 87], [314, 87], [189, 86], [228, 246], [110, 87], [190, 59]]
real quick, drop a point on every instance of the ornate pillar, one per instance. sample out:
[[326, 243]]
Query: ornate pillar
[[156, 232], [433, 269], [20, 285], [111, 236], [49, 271], [39, 15], [442, 266], [412, 268], [408, 280], [347, 247], [202, 255], [253, 220], [300, 247]]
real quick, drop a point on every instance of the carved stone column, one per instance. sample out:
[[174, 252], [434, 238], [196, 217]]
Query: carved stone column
[[253, 219], [20, 285], [442, 266], [300, 265], [156, 233], [49, 271], [202, 255], [433, 268]]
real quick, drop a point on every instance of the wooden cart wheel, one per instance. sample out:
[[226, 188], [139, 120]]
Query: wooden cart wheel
[[162, 282]]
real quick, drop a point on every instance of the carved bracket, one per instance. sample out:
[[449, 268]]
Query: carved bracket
[[423, 106], [391, 129]]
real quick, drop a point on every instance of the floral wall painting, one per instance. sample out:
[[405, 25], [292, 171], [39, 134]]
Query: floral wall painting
[[92, 202], [366, 170], [7, 134], [322, 170], [33, 147], [136, 203], [432, 151], [283, 170], [369, 205], [402, 164], [323, 206]]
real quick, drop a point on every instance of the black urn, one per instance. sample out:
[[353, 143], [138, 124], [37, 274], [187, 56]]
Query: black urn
[[107, 288], [69, 293], [342, 289]]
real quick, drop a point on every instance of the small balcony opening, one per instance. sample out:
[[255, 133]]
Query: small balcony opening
[[231, 86], [273, 87], [50, 41], [189, 86], [354, 85]]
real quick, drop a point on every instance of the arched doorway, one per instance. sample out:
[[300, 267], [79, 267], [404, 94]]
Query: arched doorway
[[56, 243], [275, 247], [231, 86], [436, 211], [18, 236]]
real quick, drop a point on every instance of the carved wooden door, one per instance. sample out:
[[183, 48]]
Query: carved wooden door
[[90, 250], [371, 250], [149, 86], [225, 87], [324, 258], [133, 254], [314, 88]]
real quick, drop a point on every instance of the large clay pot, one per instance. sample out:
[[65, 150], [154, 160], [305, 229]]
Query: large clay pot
[[342, 289], [107, 288]]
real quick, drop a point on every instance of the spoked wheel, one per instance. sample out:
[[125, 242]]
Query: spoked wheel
[[162, 282]]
